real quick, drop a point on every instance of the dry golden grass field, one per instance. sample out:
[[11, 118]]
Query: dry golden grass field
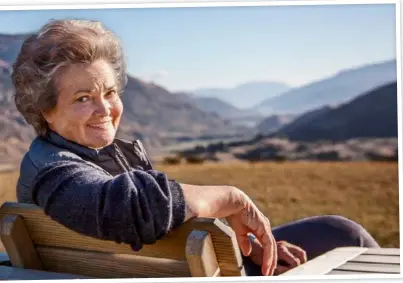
[[366, 192]]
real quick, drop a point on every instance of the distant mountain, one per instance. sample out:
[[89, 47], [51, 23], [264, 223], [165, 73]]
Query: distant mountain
[[151, 114], [334, 90], [10, 45], [241, 117], [224, 109], [273, 123], [152, 111], [246, 95], [370, 115]]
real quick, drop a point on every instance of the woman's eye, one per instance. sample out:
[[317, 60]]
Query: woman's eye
[[82, 99], [111, 93]]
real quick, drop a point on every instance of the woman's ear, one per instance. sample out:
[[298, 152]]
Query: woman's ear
[[48, 116]]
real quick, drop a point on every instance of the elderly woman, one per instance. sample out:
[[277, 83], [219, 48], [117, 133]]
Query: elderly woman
[[68, 79]]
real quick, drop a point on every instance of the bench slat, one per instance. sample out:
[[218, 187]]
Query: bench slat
[[345, 272], [13, 273], [370, 267], [172, 246], [383, 251], [105, 265], [364, 258], [327, 262]]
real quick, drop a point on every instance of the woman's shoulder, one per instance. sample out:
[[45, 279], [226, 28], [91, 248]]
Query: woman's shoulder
[[42, 153]]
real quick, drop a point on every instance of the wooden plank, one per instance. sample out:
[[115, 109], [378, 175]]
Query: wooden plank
[[370, 267], [365, 258], [14, 273], [18, 244], [201, 256], [46, 232], [107, 265], [345, 272], [327, 262], [383, 251]]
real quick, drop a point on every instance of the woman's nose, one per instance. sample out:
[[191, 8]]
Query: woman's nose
[[103, 107]]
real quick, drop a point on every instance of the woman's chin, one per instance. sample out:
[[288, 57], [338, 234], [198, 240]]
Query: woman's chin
[[100, 139]]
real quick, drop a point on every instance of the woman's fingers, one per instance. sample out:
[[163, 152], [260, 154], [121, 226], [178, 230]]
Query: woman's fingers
[[281, 269], [285, 255], [275, 252], [269, 249], [298, 252], [244, 244], [268, 260]]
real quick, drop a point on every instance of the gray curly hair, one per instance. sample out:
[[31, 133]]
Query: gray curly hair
[[44, 55]]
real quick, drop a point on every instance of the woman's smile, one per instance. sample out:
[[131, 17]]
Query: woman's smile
[[101, 125], [89, 108]]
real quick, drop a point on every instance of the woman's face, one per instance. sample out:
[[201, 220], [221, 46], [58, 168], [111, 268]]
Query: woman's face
[[89, 108]]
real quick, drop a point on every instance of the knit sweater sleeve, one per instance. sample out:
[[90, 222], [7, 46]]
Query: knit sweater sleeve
[[137, 207]]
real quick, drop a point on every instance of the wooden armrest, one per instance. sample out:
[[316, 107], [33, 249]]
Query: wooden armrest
[[13, 273]]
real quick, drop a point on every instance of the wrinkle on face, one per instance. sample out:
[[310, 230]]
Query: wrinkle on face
[[87, 96]]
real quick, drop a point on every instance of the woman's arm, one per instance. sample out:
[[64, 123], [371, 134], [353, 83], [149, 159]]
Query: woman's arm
[[136, 207], [241, 213], [139, 207]]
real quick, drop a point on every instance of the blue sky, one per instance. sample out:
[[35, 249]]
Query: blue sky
[[190, 48]]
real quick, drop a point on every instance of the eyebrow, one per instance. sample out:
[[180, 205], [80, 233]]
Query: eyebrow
[[86, 90]]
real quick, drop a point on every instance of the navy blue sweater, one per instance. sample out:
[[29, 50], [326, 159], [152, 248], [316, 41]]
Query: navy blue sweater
[[112, 193]]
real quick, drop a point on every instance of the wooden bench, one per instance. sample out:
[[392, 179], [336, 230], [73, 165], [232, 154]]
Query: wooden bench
[[40, 248], [199, 248], [351, 261]]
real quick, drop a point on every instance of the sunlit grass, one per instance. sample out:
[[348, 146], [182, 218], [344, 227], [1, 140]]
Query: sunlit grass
[[362, 191]]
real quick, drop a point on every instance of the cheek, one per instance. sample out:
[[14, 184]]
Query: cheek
[[77, 117], [117, 109]]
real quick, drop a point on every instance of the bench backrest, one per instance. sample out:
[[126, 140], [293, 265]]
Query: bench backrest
[[201, 247]]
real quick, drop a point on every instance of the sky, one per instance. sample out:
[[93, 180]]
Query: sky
[[184, 49]]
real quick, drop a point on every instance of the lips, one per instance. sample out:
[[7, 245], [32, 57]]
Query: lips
[[100, 125]]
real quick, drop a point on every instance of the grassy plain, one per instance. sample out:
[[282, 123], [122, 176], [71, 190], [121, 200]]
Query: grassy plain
[[366, 192]]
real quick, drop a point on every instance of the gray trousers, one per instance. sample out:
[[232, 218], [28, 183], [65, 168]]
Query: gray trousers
[[318, 235]]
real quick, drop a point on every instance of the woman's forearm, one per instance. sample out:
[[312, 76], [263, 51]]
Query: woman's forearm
[[212, 201]]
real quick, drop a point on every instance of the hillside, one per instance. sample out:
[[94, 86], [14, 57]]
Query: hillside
[[10, 45], [363, 129], [152, 114], [273, 123], [333, 91], [245, 95], [371, 115], [217, 106]]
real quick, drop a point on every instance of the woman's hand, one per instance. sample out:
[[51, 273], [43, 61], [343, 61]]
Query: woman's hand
[[251, 220], [289, 255], [241, 213]]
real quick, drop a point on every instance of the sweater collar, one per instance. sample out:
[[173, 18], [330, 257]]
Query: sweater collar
[[83, 151]]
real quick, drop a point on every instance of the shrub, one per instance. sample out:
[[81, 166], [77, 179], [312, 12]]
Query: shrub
[[195, 159], [171, 160]]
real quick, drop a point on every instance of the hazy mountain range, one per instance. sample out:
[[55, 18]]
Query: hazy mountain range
[[151, 113], [331, 91], [334, 90], [365, 128], [245, 95], [370, 115], [159, 117]]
